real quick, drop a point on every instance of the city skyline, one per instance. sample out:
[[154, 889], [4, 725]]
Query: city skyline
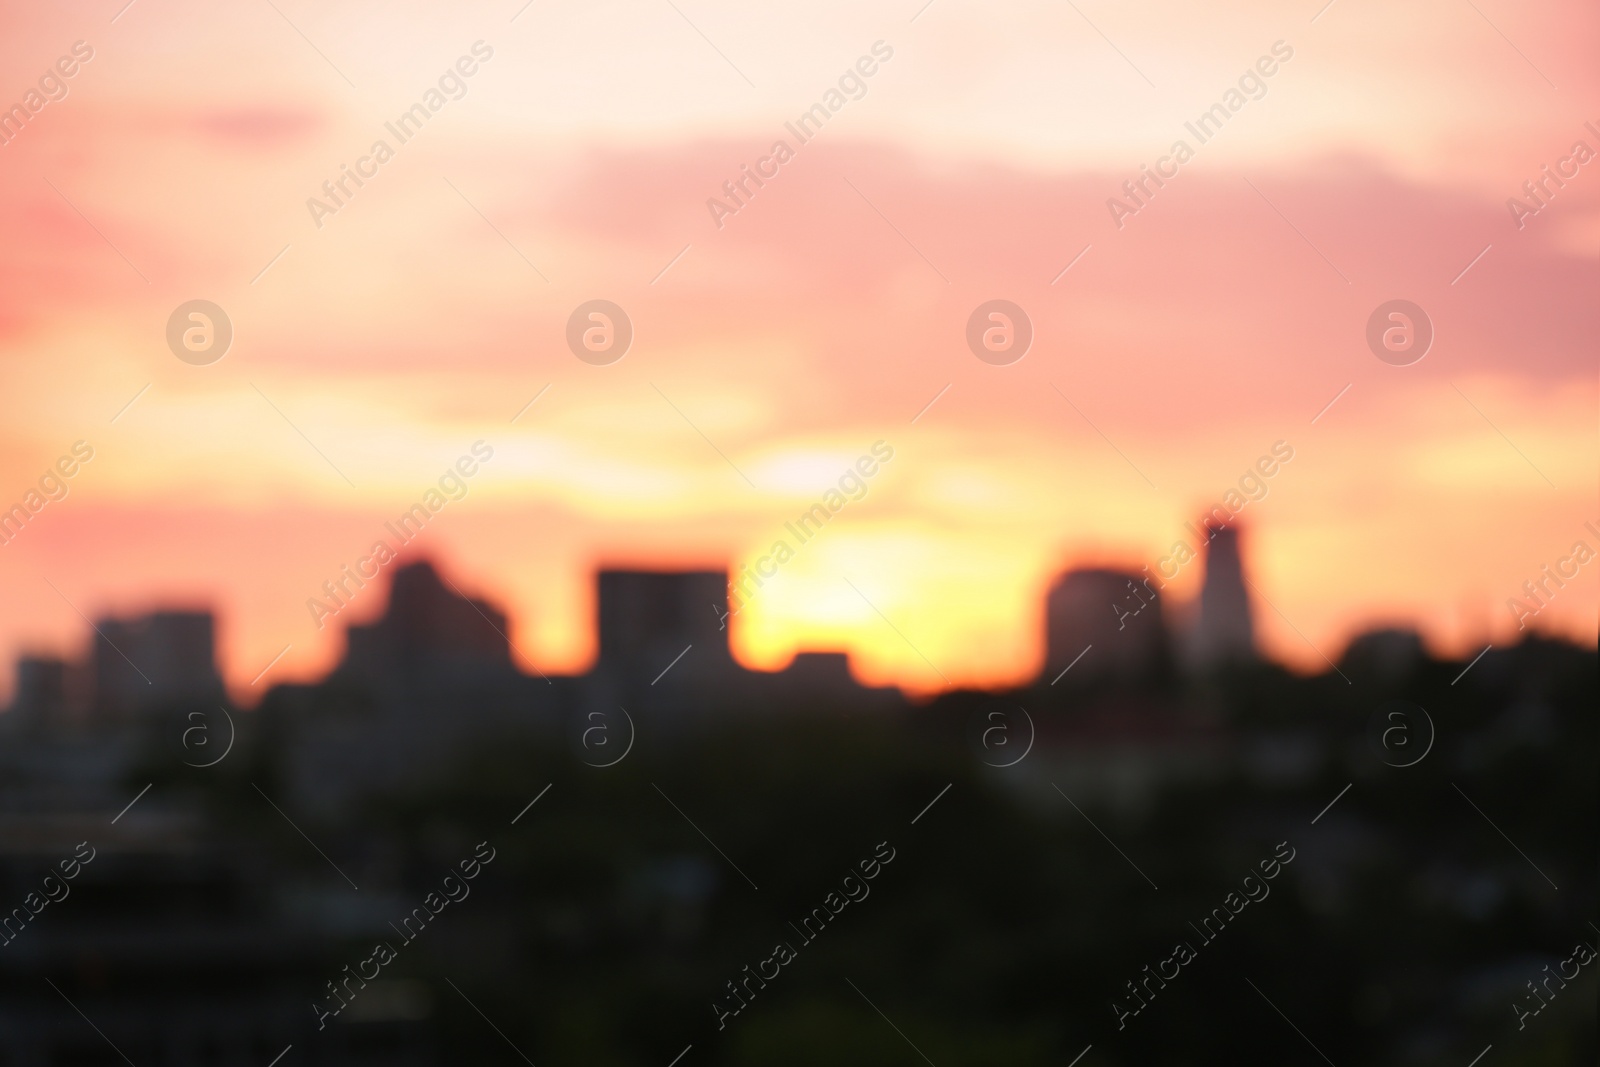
[[178, 644], [512, 514], [1170, 348]]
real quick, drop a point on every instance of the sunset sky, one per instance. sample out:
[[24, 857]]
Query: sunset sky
[[773, 350]]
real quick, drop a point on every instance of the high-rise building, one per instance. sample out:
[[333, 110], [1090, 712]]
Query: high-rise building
[[648, 618], [161, 661], [1224, 631], [427, 625], [1116, 613]]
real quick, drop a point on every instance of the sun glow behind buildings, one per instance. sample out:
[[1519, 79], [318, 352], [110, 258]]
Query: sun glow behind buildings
[[822, 316]]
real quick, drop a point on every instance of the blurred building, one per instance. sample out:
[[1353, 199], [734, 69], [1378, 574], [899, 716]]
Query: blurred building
[[427, 628], [428, 678], [1385, 654], [158, 662], [40, 698], [649, 618], [1115, 612], [821, 671], [1224, 631], [823, 682]]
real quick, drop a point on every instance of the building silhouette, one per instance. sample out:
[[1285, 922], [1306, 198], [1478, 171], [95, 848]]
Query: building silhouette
[[1223, 631], [1113, 614], [159, 662], [427, 628], [428, 679], [1384, 654], [649, 618], [218, 914], [40, 699]]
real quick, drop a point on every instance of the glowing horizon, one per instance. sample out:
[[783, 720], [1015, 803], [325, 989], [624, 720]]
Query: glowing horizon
[[1173, 345]]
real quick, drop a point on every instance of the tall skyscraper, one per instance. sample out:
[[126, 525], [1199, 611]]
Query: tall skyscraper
[[1223, 631]]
